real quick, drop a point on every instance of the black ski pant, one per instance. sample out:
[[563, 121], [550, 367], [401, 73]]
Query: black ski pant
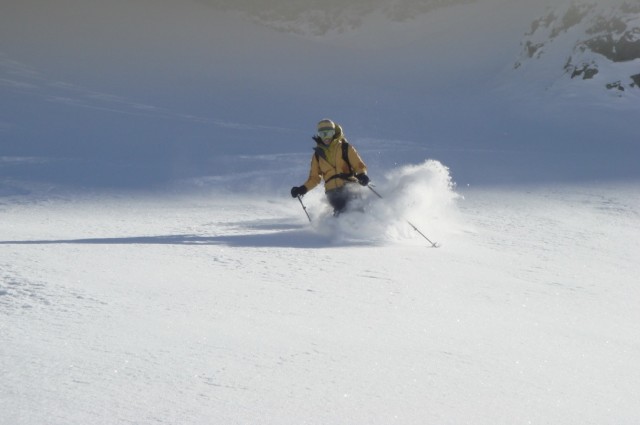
[[339, 198]]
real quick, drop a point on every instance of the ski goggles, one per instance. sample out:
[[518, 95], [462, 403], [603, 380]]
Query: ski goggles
[[326, 134]]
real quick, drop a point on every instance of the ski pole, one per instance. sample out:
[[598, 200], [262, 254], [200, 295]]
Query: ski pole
[[433, 244], [304, 208]]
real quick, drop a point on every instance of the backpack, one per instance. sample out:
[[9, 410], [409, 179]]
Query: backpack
[[345, 158]]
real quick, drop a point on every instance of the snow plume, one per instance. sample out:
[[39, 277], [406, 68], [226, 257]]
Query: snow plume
[[423, 195]]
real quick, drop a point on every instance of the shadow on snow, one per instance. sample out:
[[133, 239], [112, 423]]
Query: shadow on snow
[[285, 239]]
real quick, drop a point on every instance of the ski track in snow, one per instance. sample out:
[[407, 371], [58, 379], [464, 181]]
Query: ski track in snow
[[200, 309]]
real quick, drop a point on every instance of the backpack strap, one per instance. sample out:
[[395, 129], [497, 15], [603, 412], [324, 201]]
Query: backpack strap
[[345, 156], [319, 153]]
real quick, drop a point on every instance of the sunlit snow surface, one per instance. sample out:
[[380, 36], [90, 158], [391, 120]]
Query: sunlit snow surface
[[155, 270], [203, 308]]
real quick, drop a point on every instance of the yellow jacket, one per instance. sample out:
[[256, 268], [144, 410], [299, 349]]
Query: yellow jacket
[[327, 163]]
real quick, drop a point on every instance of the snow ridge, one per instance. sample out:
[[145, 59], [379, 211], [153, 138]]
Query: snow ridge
[[318, 18], [590, 42]]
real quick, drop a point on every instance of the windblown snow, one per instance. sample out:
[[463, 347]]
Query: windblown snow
[[418, 194]]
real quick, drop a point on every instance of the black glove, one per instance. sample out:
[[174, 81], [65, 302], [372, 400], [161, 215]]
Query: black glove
[[363, 179], [298, 191], [317, 139]]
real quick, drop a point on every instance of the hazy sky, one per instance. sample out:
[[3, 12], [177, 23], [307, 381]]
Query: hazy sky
[[163, 78]]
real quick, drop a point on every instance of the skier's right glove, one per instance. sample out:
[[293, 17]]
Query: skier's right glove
[[298, 191], [363, 179]]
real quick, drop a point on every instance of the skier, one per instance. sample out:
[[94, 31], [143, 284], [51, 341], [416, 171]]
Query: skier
[[338, 163]]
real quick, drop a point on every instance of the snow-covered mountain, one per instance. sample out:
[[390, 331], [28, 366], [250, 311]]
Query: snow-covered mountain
[[317, 17], [587, 41]]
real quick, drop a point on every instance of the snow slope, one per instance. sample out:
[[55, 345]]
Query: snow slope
[[206, 308], [154, 269]]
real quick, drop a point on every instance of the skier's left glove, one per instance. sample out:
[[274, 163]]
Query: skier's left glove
[[298, 191], [363, 179]]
